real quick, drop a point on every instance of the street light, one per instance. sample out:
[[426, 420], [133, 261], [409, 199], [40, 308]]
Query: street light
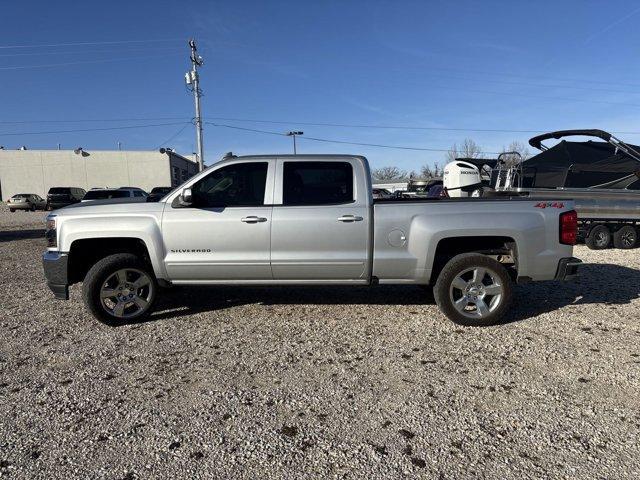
[[294, 135]]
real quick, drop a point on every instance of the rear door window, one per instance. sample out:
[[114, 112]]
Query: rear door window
[[317, 183]]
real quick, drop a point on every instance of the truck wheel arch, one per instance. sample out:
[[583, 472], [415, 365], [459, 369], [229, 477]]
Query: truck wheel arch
[[84, 253], [498, 246]]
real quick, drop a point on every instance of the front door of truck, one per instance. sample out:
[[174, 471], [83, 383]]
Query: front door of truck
[[320, 221], [225, 234]]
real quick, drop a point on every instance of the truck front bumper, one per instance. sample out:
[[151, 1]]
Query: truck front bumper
[[55, 266], [568, 268]]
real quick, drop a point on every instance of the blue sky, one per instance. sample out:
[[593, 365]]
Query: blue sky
[[451, 65]]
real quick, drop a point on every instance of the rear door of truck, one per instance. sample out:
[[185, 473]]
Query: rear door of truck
[[321, 220]]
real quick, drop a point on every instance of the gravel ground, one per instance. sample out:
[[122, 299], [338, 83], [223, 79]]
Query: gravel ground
[[319, 382]]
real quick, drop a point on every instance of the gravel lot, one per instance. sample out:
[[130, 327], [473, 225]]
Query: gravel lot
[[319, 382]]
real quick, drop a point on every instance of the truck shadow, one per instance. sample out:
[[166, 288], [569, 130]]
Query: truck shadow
[[182, 301], [604, 284], [12, 235], [598, 284]]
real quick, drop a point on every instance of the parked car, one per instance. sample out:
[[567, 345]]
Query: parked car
[[26, 201], [306, 219], [437, 191], [59, 197], [381, 193], [160, 190], [109, 193], [157, 193]]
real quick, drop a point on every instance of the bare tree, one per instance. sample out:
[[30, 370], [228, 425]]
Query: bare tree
[[430, 171], [468, 149], [519, 147], [388, 173]]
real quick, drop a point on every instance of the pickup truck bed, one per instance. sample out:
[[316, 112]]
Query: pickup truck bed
[[306, 219]]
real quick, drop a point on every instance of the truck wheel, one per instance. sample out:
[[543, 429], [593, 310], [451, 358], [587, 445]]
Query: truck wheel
[[12, 210], [119, 288], [474, 290], [626, 237], [599, 238]]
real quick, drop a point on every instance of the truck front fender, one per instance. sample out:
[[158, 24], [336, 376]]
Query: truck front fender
[[135, 226]]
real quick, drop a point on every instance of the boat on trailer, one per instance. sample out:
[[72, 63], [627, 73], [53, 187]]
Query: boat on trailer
[[601, 177]]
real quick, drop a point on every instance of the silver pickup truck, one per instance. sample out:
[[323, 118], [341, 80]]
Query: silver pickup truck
[[306, 220]]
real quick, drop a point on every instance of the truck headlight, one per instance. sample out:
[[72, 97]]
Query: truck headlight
[[50, 232]]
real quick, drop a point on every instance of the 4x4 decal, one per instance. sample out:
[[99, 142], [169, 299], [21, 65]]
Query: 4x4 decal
[[549, 205]]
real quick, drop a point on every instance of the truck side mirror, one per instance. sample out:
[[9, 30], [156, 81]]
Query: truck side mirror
[[186, 198]]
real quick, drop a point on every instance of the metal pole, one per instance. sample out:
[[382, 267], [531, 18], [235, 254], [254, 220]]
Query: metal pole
[[196, 61], [294, 135]]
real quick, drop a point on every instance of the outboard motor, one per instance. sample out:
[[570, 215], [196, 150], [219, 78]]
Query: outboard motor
[[462, 179]]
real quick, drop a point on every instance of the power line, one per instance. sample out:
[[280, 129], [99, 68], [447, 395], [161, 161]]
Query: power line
[[105, 60], [174, 135], [343, 142], [75, 44], [529, 77], [527, 84], [542, 97], [75, 52], [389, 127], [378, 145], [91, 129], [84, 120], [295, 122]]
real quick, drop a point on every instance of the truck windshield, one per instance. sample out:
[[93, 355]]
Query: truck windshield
[[105, 194], [417, 187]]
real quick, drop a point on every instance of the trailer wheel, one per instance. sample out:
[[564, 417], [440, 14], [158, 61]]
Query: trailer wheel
[[626, 237], [599, 238]]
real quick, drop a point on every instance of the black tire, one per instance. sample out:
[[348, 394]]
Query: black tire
[[103, 271], [12, 210], [626, 237], [32, 208], [462, 266], [599, 238]]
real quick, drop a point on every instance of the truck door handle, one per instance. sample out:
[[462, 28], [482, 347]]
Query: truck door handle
[[349, 218], [253, 219]]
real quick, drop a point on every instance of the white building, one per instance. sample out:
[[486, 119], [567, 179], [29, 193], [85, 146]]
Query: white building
[[391, 186], [35, 171]]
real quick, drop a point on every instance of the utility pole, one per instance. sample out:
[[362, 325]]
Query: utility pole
[[294, 135], [192, 80]]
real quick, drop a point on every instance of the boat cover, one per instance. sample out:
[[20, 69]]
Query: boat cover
[[581, 165]]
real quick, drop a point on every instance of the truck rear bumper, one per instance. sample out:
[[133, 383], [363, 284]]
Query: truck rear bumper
[[568, 268], [55, 266]]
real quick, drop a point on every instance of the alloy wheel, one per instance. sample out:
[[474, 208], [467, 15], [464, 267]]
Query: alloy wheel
[[127, 293], [476, 292]]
